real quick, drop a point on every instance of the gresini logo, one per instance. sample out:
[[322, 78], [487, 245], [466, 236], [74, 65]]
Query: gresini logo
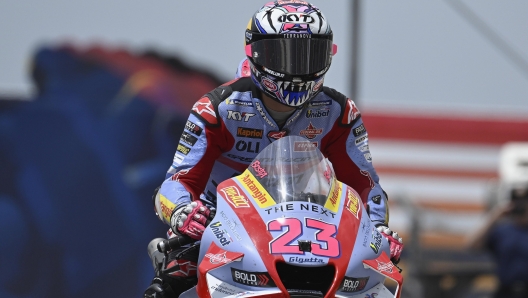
[[255, 279]]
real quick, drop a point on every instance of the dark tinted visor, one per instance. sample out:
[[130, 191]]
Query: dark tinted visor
[[293, 56]]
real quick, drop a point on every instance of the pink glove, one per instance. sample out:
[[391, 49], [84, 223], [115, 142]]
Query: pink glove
[[190, 219], [395, 242]]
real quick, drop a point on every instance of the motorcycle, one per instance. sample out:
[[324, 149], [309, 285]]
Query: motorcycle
[[286, 227]]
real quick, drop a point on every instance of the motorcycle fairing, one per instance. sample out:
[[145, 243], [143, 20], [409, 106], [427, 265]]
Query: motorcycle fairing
[[383, 265]]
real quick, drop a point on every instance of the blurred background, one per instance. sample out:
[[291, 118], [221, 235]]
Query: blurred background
[[94, 95]]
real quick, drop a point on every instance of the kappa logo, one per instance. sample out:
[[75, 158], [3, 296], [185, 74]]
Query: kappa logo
[[204, 108], [239, 116], [311, 132]]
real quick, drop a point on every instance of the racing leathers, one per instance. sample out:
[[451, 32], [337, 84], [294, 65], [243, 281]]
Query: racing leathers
[[229, 126]]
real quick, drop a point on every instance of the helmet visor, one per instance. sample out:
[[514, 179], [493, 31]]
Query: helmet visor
[[292, 56]]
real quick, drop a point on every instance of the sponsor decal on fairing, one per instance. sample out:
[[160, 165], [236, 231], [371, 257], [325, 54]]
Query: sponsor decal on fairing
[[255, 279], [375, 244], [233, 196], [353, 284]]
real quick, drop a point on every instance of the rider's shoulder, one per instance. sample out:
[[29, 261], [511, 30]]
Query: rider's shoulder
[[349, 111], [206, 108]]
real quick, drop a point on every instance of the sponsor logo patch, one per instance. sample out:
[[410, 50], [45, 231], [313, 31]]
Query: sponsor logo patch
[[246, 103], [188, 139], [320, 103], [239, 116], [251, 147], [204, 108], [376, 199], [166, 207], [304, 146], [311, 132], [364, 148], [317, 113], [183, 149], [176, 177], [250, 133], [275, 135], [368, 157], [359, 130], [361, 139], [193, 128]]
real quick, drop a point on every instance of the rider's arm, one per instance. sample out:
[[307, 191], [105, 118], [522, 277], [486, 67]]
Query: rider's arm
[[346, 146], [204, 138]]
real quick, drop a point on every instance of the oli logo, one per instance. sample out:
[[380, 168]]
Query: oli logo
[[251, 147]]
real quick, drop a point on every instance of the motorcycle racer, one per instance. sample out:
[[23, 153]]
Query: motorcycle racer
[[279, 91]]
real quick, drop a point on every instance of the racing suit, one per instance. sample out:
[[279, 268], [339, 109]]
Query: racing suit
[[229, 126]]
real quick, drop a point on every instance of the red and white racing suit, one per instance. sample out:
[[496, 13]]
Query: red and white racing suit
[[229, 126]]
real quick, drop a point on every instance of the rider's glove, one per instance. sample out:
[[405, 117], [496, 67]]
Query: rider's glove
[[190, 219], [395, 242]]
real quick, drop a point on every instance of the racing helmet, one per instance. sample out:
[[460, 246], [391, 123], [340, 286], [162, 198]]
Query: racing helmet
[[289, 47]]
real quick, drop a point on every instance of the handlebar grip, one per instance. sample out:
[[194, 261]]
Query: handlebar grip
[[174, 243]]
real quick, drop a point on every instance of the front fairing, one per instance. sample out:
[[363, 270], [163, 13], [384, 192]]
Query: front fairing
[[260, 223]]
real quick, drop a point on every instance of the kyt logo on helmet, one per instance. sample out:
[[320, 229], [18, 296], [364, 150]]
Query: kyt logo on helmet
[[289, 48]]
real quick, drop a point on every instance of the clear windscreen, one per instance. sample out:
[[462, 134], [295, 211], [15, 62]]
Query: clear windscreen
[[293, 169]]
